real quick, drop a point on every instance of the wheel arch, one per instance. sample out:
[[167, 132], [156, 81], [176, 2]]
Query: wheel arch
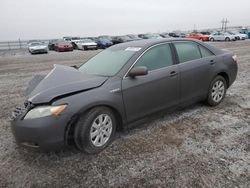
[[69, 130], [225, 76]]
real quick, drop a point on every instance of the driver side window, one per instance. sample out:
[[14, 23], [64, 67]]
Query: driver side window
[[155, 58]]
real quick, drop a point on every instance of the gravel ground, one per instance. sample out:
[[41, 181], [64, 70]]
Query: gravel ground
[[198, 146]]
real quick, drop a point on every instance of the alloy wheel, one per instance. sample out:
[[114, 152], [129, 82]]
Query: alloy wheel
[[218, 91], [101, 130]]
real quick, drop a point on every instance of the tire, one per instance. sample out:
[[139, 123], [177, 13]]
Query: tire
[[85, 48], [217, 91], [90, 123], [227, 39], [212, 39]]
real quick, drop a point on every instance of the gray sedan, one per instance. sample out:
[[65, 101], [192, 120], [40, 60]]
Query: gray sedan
[[82, 107]]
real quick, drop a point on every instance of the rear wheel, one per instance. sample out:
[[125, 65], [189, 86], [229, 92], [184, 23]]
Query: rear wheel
[[227, 39], [212, 39], [95, 130], [217, 91]]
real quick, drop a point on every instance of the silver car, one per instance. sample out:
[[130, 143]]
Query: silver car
[[240, 36], [37, 47], [221, 36]]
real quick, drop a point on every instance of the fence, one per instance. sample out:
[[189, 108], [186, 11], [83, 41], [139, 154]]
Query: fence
[[19, 44]]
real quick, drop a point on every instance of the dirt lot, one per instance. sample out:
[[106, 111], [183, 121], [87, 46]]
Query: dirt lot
[[198, 146]]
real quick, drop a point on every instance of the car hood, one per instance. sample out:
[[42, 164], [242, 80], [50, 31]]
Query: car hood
[[87, 43], [38, 47], [61, 81]]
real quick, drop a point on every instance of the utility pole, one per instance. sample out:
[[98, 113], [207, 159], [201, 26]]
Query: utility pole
[[226, 24], [222, 26]]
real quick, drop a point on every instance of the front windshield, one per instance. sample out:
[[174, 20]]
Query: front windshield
[[86, 40], [104, 40], [108, 62], [125, 37], [36, 44], [105, 37]]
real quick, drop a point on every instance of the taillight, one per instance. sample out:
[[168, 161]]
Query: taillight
[[234, 57]]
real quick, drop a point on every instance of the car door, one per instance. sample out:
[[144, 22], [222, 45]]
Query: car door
[[216, 36], [158, 89], [195, 66], [221, 36]]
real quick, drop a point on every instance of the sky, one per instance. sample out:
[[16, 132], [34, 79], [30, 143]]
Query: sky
[[48, 19]]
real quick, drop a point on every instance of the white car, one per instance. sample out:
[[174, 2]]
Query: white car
[[86, 44], [37, 47], [221, 36], [72, 40], [239, 36]]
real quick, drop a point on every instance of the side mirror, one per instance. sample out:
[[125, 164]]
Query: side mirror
[[75, 66], [138, 71]]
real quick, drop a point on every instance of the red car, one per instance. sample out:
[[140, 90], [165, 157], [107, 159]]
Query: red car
[[198, 36], [63, 46]]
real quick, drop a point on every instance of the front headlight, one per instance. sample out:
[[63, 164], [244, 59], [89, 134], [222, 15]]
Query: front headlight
[[42, 111]]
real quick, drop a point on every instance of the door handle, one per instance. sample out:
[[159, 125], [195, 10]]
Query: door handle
[[212, 62], [173, 73]]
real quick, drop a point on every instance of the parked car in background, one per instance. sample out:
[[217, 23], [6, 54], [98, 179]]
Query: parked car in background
[[86, 44], [37, 48], [182, 35], [67, 39], [150, 36], [198, 36], [63, 46], [221, 36], [33, 41], [106, 37], [175, 35], [103, 43], [165, 35], [51, 44], [134, 37], [205, 33], [84, 107], [238, 35], [91, 38], [72, 40], [121, 39], [245, 31]]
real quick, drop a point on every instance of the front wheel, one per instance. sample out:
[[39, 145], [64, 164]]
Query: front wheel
[[212, 39], [217, 91], [95, 130], [227, 39]]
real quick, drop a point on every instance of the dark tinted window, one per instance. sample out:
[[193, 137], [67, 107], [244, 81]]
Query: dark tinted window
[[205, 52], [156, 57], [187, 51]]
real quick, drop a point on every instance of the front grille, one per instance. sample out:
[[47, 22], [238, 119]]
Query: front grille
[[21, 110], [17, 113]]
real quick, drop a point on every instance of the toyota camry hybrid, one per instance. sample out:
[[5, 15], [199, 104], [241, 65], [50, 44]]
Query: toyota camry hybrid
[[84, 106]]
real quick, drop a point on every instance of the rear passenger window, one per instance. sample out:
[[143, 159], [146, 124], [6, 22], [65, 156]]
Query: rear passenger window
[[205, 52], [187, 51], [157, 57]]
